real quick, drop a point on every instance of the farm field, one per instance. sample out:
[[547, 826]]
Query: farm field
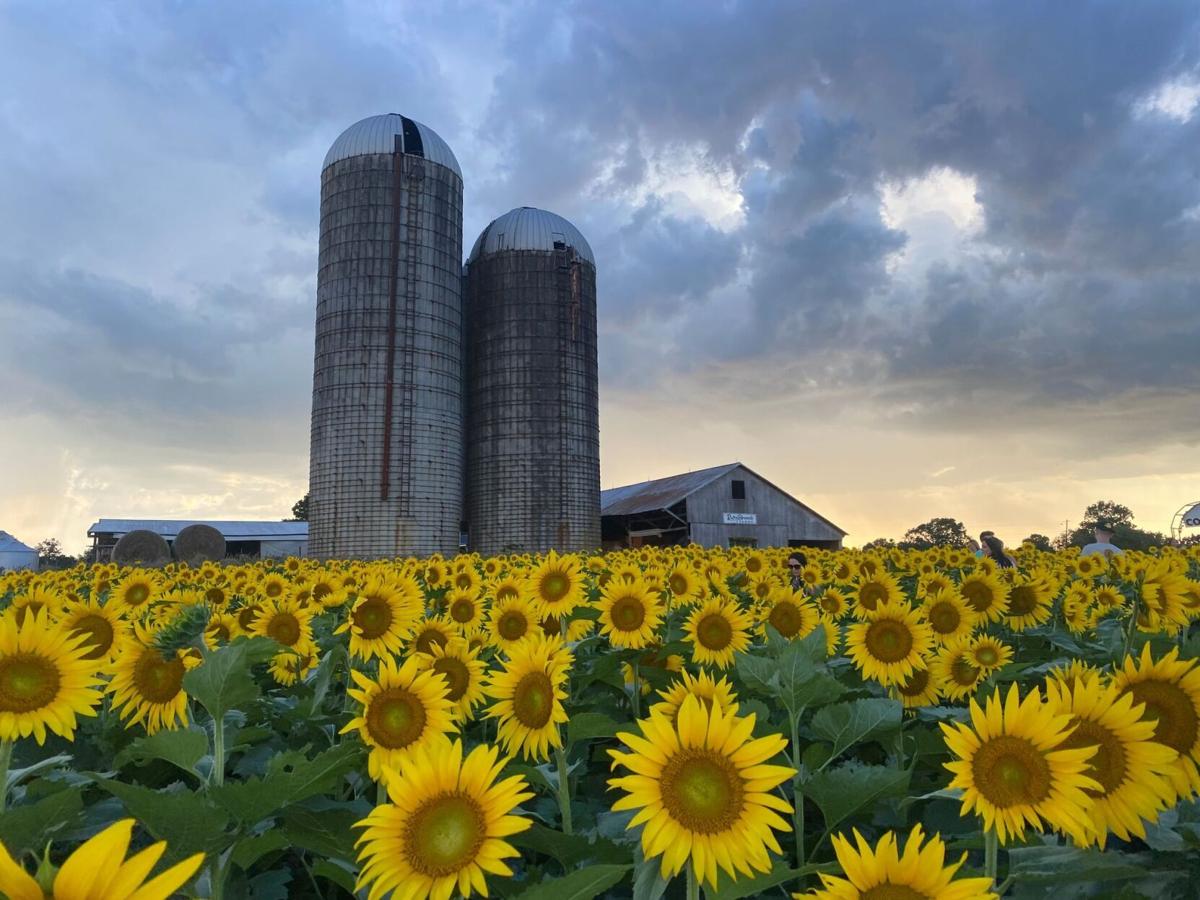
[[661, 722]]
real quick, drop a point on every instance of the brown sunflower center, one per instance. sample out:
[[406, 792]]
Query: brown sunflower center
[[1109, 765], [891, 891], [702, 791], [506, 592], [714, 632], [679, 584], [463, 581], [457, 675], [219, 632], [28, 682], [871, 594], [99, 632], [444, 835], [215, 596], [830, 604], [137, 594], [888, 640], [1011, 771], [979, 594], [395, 718], [273, 588], [1173, 712], [786, 618], [284, 628], [986, 655], [372, 617], [462, 610], [944, 618], [628, 613], [247, 615], [554, 587], [428, 638], [158, 680], [533, 700], [963, 672], [915, 684], [1022, 600], [512, 625]]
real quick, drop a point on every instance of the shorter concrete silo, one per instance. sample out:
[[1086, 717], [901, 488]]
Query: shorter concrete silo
[[533, 420]]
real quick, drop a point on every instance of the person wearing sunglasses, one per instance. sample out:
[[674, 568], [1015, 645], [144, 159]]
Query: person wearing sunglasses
[[795, 565]]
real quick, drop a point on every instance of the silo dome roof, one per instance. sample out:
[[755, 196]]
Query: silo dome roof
[[527, 228], [377, 134]]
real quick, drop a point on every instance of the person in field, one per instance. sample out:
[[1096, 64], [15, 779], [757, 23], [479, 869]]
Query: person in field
[[1103, 533], [993, 548]]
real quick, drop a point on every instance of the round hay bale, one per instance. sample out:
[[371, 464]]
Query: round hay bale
[[141, 548], [199, 543]]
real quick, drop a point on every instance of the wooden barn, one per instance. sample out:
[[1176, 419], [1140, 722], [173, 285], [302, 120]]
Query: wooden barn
[[725, 506]]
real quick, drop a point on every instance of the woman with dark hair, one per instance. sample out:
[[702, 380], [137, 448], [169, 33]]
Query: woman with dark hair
[[995, 550], [796, 562]]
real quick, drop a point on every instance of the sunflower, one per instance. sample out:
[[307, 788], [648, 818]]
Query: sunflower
[[833, 603], [135, 592], [875, 589], [920, 873], [629, 614], [529, 692], [576, 629], [465, 611], [684, 583], [918, 689], [1134, 772], [98, 868], [989, 654], [147, 686], [46, 679], [1108, 598], [717, 630], [383, 616], [1015, 768], [790, 614], [557, 585], [509, 587], [1030, 603], [710, 691], [272, 586], [286, 622], [216, 593], [950, 618], [985, 593], [402, 708], [1170, 689], [221, 629], [653, 658], [955, 673], [1075, 669], [462, 668], [702, 787], [445, 825], [510, 621], [103, 628], [292, 664], [891, 644], [36, 598]]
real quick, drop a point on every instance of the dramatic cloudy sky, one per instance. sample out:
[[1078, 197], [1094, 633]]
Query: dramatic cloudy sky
[[903, 259]]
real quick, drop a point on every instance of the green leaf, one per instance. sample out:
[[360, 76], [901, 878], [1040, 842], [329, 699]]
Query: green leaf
[[582, 884], [587, 726], [187, 821], [759, 673], [250, 850], [271, 885], [1071, 865], [223, 681], [326, 832], [16, 776], [337, 656], [648, 883], [760, 884], [290, 778], [569, 850], [335, 873], [182, 747], [27, 828], [846, 724], [843, 791]]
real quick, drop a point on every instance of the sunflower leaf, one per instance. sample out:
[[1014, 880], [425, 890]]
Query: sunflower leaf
[[586, 726], [846, 724], [189, 822], [223, 681], [182, 747], [337, 656], [753, 887], [569, 849], [29, 827], [1067, 865], [841, 792], [648, 882], [290, 778], [582, 884]]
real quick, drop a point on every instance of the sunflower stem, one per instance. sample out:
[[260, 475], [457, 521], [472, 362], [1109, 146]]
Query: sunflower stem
[[1133, 614], [991, 854], [637, 691], [564, 789], [6, 750], [218, 766], [797, 793], [693, 883]]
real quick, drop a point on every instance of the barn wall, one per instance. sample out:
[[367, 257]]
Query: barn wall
[[780, 517]]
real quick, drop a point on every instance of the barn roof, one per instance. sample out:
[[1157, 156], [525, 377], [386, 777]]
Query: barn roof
[[10, 544], [663, 493], [232, 531]]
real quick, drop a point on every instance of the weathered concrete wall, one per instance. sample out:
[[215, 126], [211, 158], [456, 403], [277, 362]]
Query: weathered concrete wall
[[533, 421], [367, 501]]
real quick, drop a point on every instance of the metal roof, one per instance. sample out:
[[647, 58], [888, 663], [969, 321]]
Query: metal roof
[[661, 493], [232, 531], [377, 134], [528, 228], [9, 544]]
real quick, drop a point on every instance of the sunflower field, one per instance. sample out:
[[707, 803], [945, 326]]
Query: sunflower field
[[658, 722]]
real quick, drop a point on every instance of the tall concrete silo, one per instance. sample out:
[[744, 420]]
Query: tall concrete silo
[[386, 465], [533, 422]]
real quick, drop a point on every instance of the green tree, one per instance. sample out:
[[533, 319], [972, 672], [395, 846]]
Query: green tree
[[1040, 541], [1126, 534], [939, 532], [51, 556], [300, 510]]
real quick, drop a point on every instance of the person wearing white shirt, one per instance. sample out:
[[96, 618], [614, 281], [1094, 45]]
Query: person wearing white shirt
[[1103, 533]]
